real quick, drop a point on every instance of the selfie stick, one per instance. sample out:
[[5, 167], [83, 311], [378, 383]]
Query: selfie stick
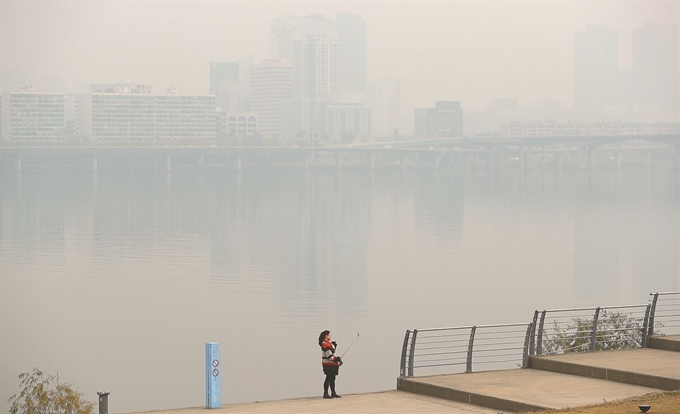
[[350, 345]]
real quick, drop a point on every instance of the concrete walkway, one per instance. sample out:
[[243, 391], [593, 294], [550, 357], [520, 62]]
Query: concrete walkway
[[523, 389], [552, 382], [396, 402]]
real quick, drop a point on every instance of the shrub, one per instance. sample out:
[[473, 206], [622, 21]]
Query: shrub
[[47, 395]]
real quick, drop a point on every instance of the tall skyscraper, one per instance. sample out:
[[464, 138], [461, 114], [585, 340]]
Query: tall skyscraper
[[289, 29], [352, 38], [390, 107], [596, 67], [222, 72], [270, 83], [348, 29], [327, 55], [316, 76], [655, 66]]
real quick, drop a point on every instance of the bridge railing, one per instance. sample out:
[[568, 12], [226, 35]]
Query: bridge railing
[[464, 348], [560, 331], [664, 316]]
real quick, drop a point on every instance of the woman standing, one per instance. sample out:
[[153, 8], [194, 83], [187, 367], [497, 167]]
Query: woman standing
[[330, 362]]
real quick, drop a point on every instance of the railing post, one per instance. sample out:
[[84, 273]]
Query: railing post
[[527, 346], [539, 338], [593, 334], [645, 326], [532, 343], [468, 365], [652, 312], [412, 352], [103, 402], [402, 367]]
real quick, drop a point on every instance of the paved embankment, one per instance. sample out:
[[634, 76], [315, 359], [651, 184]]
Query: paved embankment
[[396, 402], [522, 389], [552, 382], [667, 343], [645, 367]]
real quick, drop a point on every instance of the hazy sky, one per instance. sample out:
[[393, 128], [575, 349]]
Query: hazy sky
[[472, 51]]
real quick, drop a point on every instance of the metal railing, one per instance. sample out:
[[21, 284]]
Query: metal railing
[[664, 316], [555, 331], [560, 331], [492, 346]]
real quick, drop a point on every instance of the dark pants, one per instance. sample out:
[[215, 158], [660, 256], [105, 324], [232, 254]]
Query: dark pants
[[330, 381]]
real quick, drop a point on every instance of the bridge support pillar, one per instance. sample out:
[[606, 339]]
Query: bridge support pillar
[[371, 162], [649, 159], [404, 161], [500, 158], [168, 164], [306, 162], [19, 164], [588, 157], [618, 156], [239, 163], [201, 160], [437, 162], [95, 165], [522, 157], [560, 160], [544, 158], [338, 161]]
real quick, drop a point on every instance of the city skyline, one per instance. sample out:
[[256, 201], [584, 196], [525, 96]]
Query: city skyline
[[474, 67]]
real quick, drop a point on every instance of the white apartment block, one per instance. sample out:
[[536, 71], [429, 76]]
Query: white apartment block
[[33, 118], [539, 129], [138, 118], [348, 121]]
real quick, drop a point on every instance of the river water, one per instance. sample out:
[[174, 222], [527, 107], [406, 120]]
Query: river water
[[117, 281]]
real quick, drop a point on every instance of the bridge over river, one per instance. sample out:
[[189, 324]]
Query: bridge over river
[[613, 151]]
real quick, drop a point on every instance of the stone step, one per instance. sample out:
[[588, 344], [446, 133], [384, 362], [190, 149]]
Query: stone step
[[521, 389], [645, 367], [666, 343]]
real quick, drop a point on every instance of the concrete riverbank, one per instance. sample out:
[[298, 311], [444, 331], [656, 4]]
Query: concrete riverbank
[[552, 382]]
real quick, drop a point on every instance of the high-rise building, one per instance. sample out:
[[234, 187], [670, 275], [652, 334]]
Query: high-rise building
[[444, 120], [130, 117], [223, 72], [655, 66], [327, 55], [390, 107], [271, 83], [347, 122], [289, 29], [352, 38], [349, 30], [2, 110], [32, 117], [316, 76], [596, 67]]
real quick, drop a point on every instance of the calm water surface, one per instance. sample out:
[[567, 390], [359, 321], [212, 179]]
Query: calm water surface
[[117, 281]]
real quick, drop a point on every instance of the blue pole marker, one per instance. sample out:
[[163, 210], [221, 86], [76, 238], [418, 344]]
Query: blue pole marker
[[213, 399]]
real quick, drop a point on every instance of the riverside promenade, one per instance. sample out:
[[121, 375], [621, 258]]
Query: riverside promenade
[[550, 382]]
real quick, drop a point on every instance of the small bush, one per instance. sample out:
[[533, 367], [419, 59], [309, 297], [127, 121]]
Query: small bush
[[47, 395]]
